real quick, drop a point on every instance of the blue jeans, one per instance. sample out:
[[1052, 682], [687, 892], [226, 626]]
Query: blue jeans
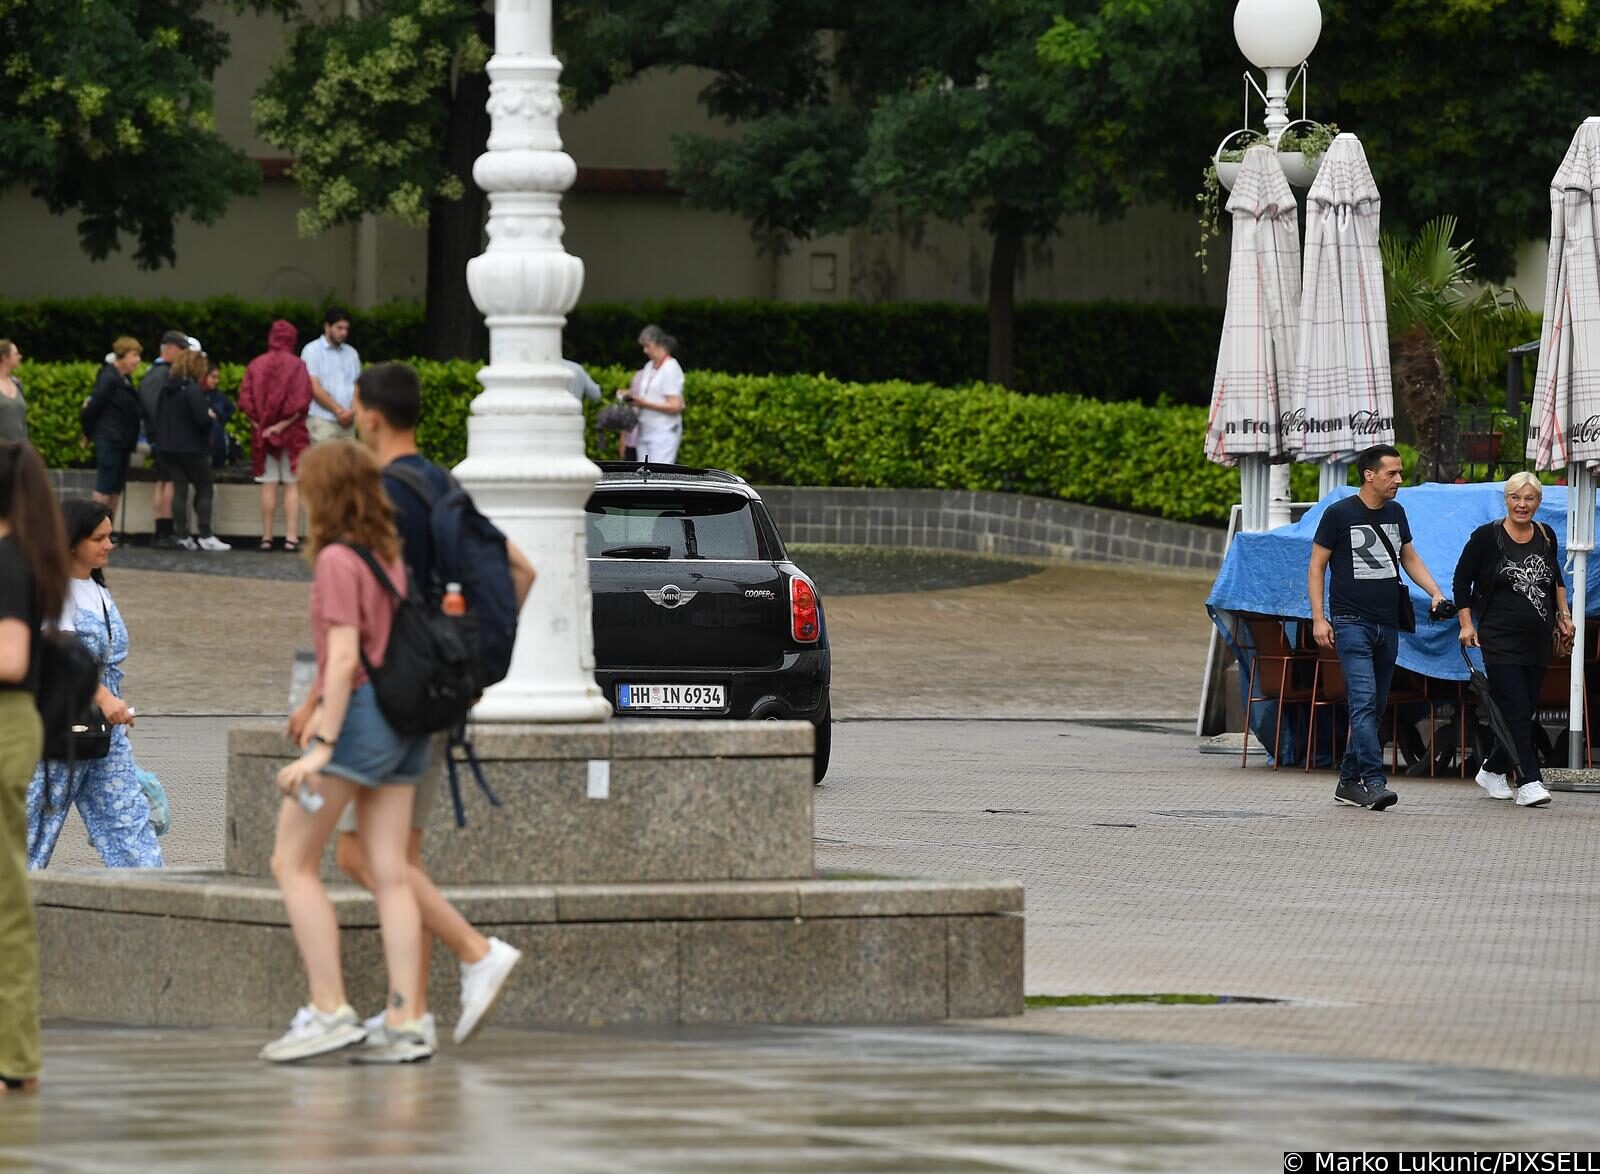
[[1367, 651]]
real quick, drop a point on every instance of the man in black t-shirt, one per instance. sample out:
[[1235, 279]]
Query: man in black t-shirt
[[1360, 544]]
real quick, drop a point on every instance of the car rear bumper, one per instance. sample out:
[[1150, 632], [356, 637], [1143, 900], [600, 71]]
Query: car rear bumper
[[795, 689]]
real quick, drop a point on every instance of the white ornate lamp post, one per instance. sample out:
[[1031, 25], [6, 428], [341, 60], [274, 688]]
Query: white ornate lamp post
[[525, 461], [1276, 36]]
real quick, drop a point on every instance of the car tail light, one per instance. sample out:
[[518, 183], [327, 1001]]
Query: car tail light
[[804, 622]]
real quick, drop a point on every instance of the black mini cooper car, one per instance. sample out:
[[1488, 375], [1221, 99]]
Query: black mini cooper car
[[698, 611]]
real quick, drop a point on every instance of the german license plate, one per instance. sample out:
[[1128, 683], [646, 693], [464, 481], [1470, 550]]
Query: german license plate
[[671, 697]]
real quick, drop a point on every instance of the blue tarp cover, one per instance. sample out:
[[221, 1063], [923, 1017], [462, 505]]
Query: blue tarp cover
[[1266, 573]]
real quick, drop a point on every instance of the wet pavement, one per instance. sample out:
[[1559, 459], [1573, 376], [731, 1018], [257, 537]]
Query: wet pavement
[[1437, 962], [754, 1099]]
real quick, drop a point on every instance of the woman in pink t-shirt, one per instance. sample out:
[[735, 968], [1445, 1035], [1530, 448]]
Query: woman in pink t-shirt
[[351, 754]]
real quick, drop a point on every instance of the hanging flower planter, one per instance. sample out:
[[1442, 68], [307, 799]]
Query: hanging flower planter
[[1300, 150]]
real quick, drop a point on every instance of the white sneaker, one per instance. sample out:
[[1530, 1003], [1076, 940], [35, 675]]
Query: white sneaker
[[213, 543], [1496, 785], [430, 1032], [315, 1033], [1532, 794], [481, 984], [188, 544]]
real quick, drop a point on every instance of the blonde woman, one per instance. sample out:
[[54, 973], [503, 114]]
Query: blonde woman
[[1513, 604]]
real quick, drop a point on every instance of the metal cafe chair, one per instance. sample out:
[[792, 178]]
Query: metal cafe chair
[[1274, 663]]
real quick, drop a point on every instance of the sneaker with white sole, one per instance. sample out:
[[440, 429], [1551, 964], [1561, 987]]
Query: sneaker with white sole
[[1497, 785], [430, 1031], [1532, 794], [188, 544], [316, 1033], [405, 1044], [212, 543], [481, 984]]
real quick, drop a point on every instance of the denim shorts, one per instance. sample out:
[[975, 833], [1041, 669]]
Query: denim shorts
[[110, 467], [369, 752]]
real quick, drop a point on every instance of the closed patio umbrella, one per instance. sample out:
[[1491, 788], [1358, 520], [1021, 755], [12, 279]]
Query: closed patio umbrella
[[1341, 399], [1257, 353], [1564, 429]]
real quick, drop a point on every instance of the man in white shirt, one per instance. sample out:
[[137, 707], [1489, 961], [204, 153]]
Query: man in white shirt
[[333, 365]]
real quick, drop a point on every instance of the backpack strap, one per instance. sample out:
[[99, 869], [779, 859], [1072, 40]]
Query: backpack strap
[[373, 565], [417, 483]]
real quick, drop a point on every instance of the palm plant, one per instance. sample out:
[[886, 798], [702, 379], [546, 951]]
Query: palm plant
[[1441, 321]]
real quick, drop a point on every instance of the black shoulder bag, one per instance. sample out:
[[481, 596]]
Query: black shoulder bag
[[87, 735], [1407, 612]]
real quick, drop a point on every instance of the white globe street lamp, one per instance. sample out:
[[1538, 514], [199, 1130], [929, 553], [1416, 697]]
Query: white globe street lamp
[[525, 461], [1277, 36]]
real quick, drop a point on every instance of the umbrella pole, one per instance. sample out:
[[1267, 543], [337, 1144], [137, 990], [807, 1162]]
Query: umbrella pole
[[1580, 541]]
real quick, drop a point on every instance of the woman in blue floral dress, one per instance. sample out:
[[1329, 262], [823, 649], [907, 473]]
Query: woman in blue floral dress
[[106, 790]]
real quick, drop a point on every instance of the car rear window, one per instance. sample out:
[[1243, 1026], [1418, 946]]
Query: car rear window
[[663, 524]]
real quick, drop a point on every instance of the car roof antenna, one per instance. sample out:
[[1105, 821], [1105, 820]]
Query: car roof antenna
[[644, 469]]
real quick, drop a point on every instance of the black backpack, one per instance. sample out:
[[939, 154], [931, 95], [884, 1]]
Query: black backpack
[[470, 550], [426, 681]]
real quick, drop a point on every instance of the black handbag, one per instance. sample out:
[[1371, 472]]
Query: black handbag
[[1407, 611], [68, 678], [88, 735]]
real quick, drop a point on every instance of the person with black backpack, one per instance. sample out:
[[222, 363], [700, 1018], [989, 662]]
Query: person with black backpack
[[445, 541], [360, 604], [33, 585]]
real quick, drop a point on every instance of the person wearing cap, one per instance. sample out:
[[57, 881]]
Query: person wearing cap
[[173, 344], [333, 364]]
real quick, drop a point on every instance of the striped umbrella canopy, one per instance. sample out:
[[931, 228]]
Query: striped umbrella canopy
[[1564, 428], [1342, 400], [1256, 358]]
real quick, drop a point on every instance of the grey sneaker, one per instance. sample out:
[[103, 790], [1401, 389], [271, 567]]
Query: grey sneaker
[[1361, 793], [405, 1044], [315, 1033], [376, 1025], [188, 544], [481, 984]]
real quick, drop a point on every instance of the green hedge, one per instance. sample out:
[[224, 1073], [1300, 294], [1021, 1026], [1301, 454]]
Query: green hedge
[[810, 430], [1103, 350]]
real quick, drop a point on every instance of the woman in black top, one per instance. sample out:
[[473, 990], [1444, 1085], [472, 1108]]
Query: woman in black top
[[1513, 602], [33, 584], [110, 418]]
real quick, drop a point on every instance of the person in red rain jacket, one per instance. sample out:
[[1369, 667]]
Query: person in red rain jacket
[[275, 395]]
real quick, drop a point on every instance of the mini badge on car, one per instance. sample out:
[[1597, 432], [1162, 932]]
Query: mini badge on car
[[671, 596]]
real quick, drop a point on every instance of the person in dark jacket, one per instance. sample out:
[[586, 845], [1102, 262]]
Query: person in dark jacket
[[110, 419], [183, 434], [173, 344], [223, 446]]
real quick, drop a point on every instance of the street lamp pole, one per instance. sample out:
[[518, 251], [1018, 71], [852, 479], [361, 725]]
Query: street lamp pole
[[525, 463], [1276, 36]]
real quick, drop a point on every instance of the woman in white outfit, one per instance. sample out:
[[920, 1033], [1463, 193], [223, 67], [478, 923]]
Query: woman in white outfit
[[657, 393]]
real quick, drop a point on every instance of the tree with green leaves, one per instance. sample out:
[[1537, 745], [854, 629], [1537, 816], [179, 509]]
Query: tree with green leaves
[[106, 113], [856, 112], [384, 113]]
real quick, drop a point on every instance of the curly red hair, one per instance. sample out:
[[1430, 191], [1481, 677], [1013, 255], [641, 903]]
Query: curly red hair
[[342, 486]]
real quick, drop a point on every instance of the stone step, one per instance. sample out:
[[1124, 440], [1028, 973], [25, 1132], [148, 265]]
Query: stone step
[[198, 948], [686, 800]]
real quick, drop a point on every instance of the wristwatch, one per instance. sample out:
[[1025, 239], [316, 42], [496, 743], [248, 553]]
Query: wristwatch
[[326, 742]]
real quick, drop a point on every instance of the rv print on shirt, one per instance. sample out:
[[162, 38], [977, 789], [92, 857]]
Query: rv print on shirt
[[1368, 558]]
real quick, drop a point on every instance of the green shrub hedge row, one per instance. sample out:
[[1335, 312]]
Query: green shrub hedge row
[[813, 430], [1104, 350]]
